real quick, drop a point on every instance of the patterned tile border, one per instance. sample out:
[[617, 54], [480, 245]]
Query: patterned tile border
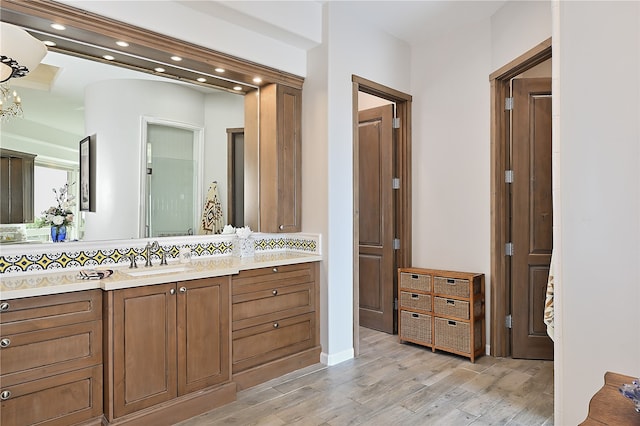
[[48, 257]]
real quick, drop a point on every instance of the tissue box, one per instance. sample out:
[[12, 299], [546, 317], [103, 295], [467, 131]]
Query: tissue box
[[243, 247]]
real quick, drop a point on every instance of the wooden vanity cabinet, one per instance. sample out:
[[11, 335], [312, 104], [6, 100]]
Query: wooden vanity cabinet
[[275, 322], [16, 186], [280, 158], [51, 359], [167, 344]]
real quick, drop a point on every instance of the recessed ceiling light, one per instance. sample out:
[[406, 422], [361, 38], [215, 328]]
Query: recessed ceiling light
[[176, 58], [237, 88], [108, 57], [49, 43], [159, 69], [219, 69], [202, 79], [257, 80], [58, 27], [122, 43]]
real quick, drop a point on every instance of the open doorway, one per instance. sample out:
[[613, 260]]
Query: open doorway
[[506, 223], [399, 183]]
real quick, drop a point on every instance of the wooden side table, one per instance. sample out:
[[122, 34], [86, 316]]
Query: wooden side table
[[609, 407]]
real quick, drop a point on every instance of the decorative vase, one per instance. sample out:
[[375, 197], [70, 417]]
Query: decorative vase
[[58, 233]]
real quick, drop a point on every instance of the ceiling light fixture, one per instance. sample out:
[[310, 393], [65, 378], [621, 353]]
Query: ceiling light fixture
[[122, 43], [10, 104], [49, 43], [176, 58], [108, 57], [237, 88], [20, 52], [159, 69], [219, 69], [257, 80], [59, 27], [201, 79]]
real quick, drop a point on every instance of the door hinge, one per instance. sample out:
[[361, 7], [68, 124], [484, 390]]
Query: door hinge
[[395, 183], [508, 249], [508, 176], [508, 104], [396, 122], [396, 243], [149, 171], [508, 321], [395, 304]]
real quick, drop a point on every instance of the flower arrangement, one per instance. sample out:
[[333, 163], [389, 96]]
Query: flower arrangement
[[60, 214], [632, 391]]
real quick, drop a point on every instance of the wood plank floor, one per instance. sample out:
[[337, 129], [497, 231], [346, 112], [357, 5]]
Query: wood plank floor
[[398, 384]]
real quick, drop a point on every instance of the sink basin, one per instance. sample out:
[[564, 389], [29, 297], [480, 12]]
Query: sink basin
[[156, 271]]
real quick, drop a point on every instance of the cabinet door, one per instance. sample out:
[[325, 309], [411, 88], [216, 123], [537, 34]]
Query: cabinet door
[[203, 333], [144, 330], [280, 159], [16, 177]]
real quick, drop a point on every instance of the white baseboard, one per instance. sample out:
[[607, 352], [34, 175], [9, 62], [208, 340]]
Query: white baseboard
[[333, 359]]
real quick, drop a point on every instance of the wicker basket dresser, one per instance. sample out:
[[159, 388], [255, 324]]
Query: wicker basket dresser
[[443, 310]]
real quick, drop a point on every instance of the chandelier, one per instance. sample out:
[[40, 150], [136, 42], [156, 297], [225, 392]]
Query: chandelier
[[10, 105]]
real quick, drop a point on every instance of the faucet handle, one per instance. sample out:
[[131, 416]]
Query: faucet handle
[[163, 258], [132, 258]]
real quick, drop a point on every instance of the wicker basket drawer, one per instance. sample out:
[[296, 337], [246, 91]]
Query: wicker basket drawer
[[451, 286], [451, 307], [415, 301], [451, 334], [418, 282], [415, 327]]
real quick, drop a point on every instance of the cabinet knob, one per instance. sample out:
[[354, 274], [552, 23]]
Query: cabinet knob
[[276, 325], [4, 395], [172, 291], [182, 289], [4, 343], [275, 269], [274, 292], [281, 227], [4, 306]]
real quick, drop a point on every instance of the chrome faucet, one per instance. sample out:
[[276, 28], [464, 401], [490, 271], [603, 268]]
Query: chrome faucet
[[149, 249]]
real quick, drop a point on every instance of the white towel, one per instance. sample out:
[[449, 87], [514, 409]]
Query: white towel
[[212, 220], [548, 303]]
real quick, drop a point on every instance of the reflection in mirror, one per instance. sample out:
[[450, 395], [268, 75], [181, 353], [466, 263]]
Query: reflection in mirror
[[68, 98]]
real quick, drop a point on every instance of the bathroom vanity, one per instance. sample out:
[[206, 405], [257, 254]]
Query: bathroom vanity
[[153, 345]]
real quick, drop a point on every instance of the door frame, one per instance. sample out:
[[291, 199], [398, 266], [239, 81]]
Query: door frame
[[500, 341], [403, 208]]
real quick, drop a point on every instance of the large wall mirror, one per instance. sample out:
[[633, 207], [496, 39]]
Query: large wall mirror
[[160, 113]]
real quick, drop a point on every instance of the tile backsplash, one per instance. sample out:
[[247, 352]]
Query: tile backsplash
[[56, 256]]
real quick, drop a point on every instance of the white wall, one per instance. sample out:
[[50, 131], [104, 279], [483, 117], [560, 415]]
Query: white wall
[[375, 56], [598, 294]]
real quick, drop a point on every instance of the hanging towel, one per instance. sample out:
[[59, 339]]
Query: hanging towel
[[212, 220], [548, 303]]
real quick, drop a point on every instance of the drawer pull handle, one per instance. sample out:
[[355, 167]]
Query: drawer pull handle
[[451, 281], [172, 291], [414, 296], [274, 292], [451, 302], [415, 315], [275, 269], [5, 343], [182, 290], [276, 325], [453, 323], [5, 395], [4, 306], [414, 277]]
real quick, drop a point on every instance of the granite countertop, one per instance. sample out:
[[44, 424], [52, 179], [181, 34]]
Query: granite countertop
[[45, 283]]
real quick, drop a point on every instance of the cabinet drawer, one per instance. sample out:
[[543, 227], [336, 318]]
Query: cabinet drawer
[[413, 281], [64, 399], [451, 307], [266, 342], [250, 309], [451, 286], [40, 312], [415, 301], [36, 354], [254, 280], [415, 327]]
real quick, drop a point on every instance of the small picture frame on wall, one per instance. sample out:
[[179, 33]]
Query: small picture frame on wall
[[87, 174]]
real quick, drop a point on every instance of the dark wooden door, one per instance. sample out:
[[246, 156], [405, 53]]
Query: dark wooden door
[[376, 256], [532, 233], [144, 365], [203, 330]]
